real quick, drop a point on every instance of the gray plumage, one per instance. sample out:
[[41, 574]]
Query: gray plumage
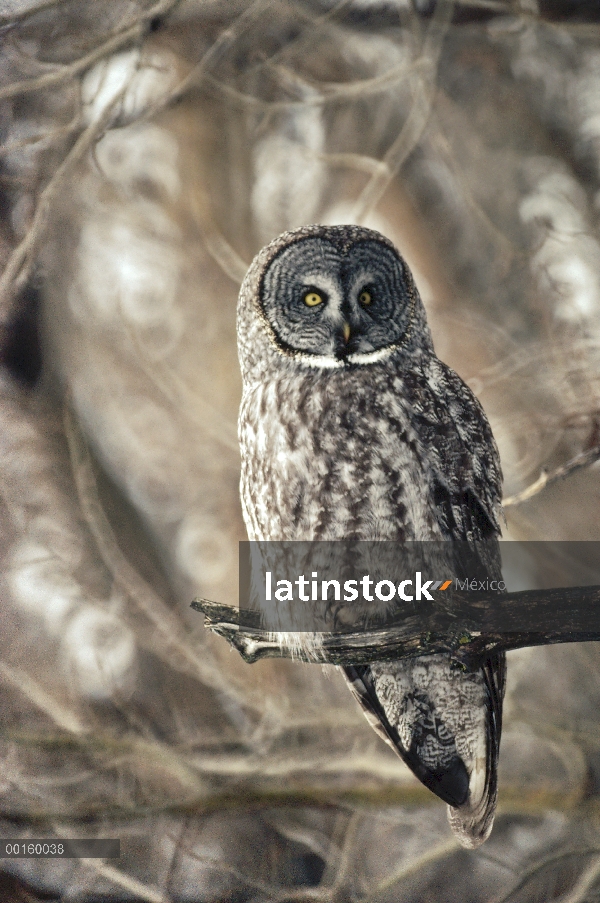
[[351, 428]]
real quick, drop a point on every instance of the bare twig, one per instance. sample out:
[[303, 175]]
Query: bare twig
[[586, 881], [7, 19], [226, 869], [584, 459], [358, 162], [539, 866], [174, 643], [63, 131], [191, 404], [200, 72], [325, 92], [344, 865], [418, 117], [20, 261], [435, 854], [495, 6], [137, 888], [120, 38], [71, 70], [63, 717]]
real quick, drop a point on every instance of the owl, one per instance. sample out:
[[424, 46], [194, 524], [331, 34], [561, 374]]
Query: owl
[[350, 427]]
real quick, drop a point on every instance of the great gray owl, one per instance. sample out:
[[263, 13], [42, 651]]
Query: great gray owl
[[351, 428]]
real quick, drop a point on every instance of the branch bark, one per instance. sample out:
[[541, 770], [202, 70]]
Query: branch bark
[[469, 627]]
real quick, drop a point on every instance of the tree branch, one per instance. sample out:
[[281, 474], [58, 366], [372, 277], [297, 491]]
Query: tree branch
[[119, 38], [584, 459], [469, 627]]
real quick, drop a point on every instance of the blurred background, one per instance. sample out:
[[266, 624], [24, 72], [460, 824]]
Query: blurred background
[[149, 149]]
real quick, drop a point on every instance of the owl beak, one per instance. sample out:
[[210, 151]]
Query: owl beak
[[346, 332]]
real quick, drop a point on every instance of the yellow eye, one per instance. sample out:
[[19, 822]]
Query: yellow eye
[[365, 298], [311, 299]]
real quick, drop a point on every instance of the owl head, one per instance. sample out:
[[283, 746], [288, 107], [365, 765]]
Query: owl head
[[329, 297]]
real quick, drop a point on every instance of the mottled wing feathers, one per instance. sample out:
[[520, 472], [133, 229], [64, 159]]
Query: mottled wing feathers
[[472, 823], [452, 783], [461, 454], [442, 735], [427, 709]]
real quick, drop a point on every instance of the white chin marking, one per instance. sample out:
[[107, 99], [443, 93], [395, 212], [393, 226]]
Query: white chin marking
[[359, 357], [371, 357], [314, 360]]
